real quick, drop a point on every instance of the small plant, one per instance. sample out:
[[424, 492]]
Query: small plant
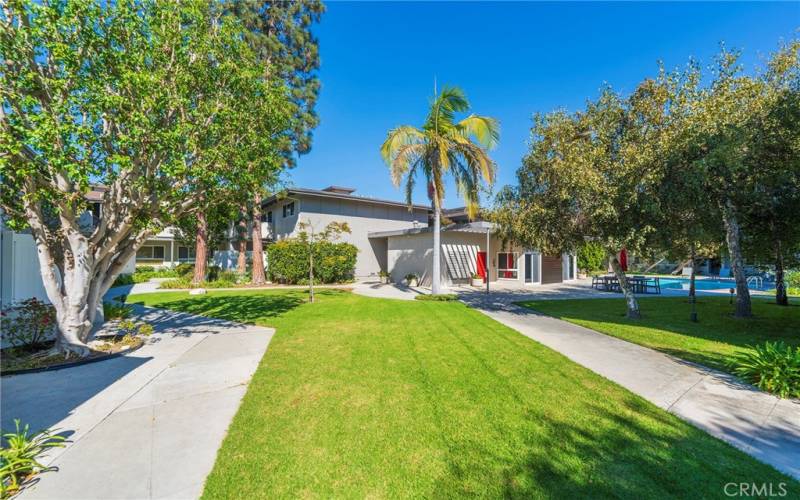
[[383, 276], [773, 367], [116, 311], [28, 322], [124, 280], [441, 297], [132, 330], [412, 279], [19, 456]]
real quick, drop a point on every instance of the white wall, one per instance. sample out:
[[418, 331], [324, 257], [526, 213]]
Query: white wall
[[20, 277]]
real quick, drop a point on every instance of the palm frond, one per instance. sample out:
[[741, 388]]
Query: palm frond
[[484, 129], [398, 137], [407, 156], [443, 109]]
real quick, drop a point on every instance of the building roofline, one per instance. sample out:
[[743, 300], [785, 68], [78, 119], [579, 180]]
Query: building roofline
[[341, 196], [470, 227]]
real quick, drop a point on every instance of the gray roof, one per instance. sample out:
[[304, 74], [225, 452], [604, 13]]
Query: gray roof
[[341, 196], [470, 227]]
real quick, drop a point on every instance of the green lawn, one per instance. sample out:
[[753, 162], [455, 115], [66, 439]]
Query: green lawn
[[665, 324], [360, 397]]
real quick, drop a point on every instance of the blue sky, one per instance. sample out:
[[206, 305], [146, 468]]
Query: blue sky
[[512, 60]]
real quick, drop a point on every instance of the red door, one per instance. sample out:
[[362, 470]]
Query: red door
[[481, 264]]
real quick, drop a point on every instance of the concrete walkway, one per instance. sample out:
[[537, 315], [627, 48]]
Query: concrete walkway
[[144, 425], [762, 425]]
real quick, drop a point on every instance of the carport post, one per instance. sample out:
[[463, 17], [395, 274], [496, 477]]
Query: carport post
[[488, 259]]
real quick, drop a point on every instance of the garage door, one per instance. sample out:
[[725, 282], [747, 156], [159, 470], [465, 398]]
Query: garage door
[[551, 269]]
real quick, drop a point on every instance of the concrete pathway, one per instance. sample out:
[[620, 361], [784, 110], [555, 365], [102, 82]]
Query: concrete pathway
[[144, 425], [762, 425]]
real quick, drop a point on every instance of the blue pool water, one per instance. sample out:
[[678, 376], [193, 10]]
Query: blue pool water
[[708, 284]]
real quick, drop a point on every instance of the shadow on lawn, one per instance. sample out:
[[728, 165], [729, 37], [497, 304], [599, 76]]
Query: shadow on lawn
[[243, 308], [610, 455]]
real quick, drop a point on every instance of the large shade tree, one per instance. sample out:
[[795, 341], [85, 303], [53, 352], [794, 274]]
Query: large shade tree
[[444, 146], [743, 135], [591, 175], [143, 97], [280, 34]]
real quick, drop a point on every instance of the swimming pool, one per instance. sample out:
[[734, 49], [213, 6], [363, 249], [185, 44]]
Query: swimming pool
[[709, 284]]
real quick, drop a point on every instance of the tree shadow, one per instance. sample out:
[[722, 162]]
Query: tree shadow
[[636, 451], [43, 399], [245, 308]]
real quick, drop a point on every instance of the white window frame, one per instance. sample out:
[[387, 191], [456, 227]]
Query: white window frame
[[189, 254], [515, 270], [289, 207], [152, 252]]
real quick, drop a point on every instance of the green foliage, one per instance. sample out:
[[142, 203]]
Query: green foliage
[[591, 257], [184, 269], [280, 35], [439, 297], [28, 322], [164, 103], [19, 456], [116, 311], [124, 280], [132, 329], [792, 278], [773, 367], [333, 262]]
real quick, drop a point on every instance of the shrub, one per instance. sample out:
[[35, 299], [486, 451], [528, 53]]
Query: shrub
[[441, 297], [792, 278], [145, 269], [184, 269], [591, 257], [116, 311], [333, 262], [28, 322], [177, 283], [773, 367], [123, 280], [19, 456]]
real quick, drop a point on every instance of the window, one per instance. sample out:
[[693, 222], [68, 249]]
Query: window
[[151, 252], [186, 253], [288, 209], [267, 217], [507, 265]]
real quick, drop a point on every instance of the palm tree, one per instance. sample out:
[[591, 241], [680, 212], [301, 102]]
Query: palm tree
[[440, 146]]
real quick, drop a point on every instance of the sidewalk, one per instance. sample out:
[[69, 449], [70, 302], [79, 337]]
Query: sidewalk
[[144, 425], [762, 425]]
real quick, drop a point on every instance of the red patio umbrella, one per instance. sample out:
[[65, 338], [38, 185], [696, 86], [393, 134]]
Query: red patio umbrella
[[623, 260]]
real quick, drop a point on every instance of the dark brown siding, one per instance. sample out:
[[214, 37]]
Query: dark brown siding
[[551, 269]]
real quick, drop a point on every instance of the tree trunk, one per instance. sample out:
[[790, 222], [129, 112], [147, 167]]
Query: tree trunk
[[311, 267], [241, 262], [630, 299], [258, 250], [781, 298], [692, 288], [732, 237], [435, 268], [201, 249]]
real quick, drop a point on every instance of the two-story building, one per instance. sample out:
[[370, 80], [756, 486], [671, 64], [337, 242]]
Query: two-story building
[[393, 238], [282, 213]]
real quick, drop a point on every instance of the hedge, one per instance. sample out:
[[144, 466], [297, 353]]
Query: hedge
[[591, 257], [333, 262]]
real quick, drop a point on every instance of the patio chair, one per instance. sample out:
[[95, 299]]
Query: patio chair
[[656, 285]]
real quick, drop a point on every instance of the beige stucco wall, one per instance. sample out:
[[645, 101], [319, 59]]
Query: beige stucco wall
[[409, 254], [361, 216]]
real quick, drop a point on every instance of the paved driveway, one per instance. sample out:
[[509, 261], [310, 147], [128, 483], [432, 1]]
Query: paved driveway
[[145, 425]]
